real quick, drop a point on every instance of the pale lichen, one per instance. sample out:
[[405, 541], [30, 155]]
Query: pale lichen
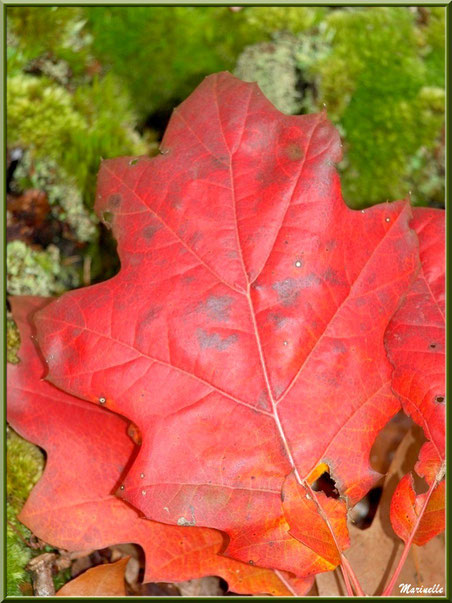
[[273, 66], [32, 272]]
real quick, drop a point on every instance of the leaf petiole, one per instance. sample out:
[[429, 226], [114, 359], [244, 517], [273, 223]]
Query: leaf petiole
[[348, 585], [388, 590], [346, 567]]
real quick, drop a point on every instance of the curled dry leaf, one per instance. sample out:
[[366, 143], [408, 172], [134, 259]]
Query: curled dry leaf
[[88, 450], [244, 333], [105, 580]]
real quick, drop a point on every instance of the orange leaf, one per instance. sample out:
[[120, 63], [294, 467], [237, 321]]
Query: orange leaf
[[105, 580], [406, 508], [314, 518]]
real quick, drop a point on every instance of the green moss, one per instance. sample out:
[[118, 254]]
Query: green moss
[[162, 53], [25, 464], [431, 41], [33, 272], [55, 32], [74, 130], [379, 73], [373, 83], [272, 65], [40, 116], [270, 19], [12, 341], [108, 131]]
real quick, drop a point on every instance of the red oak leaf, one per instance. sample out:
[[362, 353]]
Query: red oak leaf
[[408, 516], [244, 332], [88, 450], [415, 341]]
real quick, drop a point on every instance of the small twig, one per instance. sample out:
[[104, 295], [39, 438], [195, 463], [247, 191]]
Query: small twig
[[87, 270], [41, 572], [24, 540], [388, 590]]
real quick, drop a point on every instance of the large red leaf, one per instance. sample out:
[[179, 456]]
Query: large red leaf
[[88, 450], [416, 339], [244, 332]]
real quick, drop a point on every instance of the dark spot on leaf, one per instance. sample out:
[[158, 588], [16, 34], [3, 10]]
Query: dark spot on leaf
[[331, 276], [102, 400], [277, 319], [294, 152], [287, 290], [214, 340], [433, 346], [217, 306], [439, 399], [150, 230], [114, 201], [133, 161], [251, 562], [263, 401], [339, 347], [151, 315]]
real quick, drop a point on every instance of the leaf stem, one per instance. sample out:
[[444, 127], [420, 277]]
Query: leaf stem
[[286, 583], [348, 586], [346, 565], [388, 590]]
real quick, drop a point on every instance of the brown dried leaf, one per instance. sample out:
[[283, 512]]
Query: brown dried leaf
[[105, 580]]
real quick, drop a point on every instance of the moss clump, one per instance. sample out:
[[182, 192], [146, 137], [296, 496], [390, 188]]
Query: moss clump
[[33, 272], [40, 115], [269, 19], [54, 33], [270, 62], [74, 130], [25, 464], [162, 53], [61, 108], [12, 341], [380, 73], [373, 82]]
